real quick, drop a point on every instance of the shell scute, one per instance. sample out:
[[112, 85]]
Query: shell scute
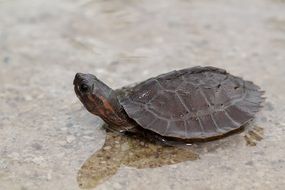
[[145, 117], [193, 125], [177, 127], [238, 115], [175, 82], [145, 93], [208, 125], [158, 125], [224, 122], [168, 105]]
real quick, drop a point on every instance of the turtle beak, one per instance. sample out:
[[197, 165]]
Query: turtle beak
[[76, 82], [78, 78]]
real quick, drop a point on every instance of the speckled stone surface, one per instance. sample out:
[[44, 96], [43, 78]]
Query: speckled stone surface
[[46, 135]]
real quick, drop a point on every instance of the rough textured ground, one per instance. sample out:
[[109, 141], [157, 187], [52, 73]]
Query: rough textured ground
[[45, 135]]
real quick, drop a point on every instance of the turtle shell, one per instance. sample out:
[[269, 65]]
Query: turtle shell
[[193, 103]]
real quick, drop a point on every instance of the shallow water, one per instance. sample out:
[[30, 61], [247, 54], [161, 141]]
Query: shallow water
[[120, 150]]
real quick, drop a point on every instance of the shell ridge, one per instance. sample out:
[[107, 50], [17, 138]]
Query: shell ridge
[[159, 84], [215, 123], [227, 128], [180, 83], [183, 103], [226, 78], [245, 121], [185, 128], [232, 120], [155, 96], [208, 112], [234, 102], [167, 128], [150, 123], [204, 96], [162, 118], [245, 99], [199, 69], [125, 99], [201, 126], [257, 103]]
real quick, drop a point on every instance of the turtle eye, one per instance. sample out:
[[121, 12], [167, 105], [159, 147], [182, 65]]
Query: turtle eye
[[84, 88]]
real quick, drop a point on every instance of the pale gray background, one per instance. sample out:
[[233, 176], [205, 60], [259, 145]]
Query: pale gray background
[[45, 135]]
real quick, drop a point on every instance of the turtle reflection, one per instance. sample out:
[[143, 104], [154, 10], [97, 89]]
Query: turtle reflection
[[120, 150]]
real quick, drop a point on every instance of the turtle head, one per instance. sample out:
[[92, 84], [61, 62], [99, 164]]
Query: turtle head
[[98, 98], [92, 92]]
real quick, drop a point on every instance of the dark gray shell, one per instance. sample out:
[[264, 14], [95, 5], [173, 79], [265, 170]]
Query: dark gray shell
[[194, 103]]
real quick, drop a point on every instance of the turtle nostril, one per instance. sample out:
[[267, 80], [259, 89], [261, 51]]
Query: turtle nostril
[[79, 75], [83, 88]]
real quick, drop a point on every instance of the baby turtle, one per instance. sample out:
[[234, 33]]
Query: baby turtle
[[193, 104]]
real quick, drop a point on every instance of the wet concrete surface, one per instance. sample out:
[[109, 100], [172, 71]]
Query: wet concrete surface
[[120, 150], [46, 137]]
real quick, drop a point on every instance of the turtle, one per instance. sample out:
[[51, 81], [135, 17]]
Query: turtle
[[181, 106]]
